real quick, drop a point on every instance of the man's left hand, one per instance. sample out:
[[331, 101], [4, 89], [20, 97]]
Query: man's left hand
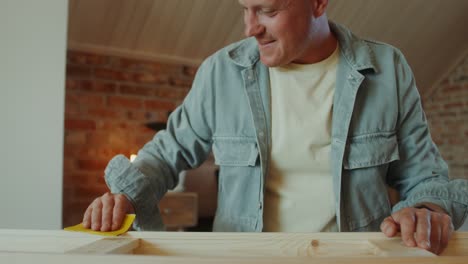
[[426, 229]]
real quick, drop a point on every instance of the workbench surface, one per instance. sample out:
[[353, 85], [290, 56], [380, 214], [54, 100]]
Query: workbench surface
[[57, 246]]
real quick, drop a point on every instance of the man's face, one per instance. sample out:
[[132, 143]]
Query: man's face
[[282, 29]]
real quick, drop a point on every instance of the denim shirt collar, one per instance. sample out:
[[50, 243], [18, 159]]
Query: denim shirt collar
[[246, 53], [355, 51]]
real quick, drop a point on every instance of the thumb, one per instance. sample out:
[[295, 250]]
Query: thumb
[[389, 227]]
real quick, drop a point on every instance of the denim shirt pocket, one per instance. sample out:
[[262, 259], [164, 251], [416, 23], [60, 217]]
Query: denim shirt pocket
[[239, 186], [371, 150], [366, 163], [235, 151]]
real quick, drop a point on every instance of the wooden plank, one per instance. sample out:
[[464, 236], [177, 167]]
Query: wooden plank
[[42, 241], [458, 245], [108, 246], [395, 247], [270, 235], [18, 246], [276, 245], [285, 244], [125, 259]]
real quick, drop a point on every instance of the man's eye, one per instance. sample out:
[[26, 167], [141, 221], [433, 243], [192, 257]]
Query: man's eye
[[267, 12]]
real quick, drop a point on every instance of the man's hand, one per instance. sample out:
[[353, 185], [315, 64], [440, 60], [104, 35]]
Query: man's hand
[[426, 229], [106, 213]]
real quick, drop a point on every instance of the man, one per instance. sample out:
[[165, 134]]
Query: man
[[309, 125]]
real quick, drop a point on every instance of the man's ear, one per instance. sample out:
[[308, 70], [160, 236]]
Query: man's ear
[[319, 7]]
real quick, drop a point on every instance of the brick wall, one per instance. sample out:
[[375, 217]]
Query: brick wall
[[447, 113], [108, 101]]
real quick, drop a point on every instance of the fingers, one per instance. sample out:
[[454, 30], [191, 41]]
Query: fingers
[[389, 227], [442, 231], [87, 217], [436, 231], [424, 229], [407, 221], [120, 208], [420, 227], [106, 213], [96, 215]]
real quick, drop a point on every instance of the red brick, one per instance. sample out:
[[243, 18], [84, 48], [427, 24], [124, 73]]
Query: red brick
[[100, 180], [86, 192], [83, 58], [136, 90], [124, 102], [73, 212], [172, 93], [92, 151], [75, 178], [109, 74], [189, 71], [75, 205], [98, 138], [72, 110], [445, 82], [429, 107], [452, 88], [92, 164], [137, 115], [456, 141], [130, 64], [78, 71], [71, 84], [163, 115], [150, 78], [70, 150], [145, 66], [112, 125], [159, 105], [76, 124], [453, 105], [97, 86], [185, 82], [101, 112], [75, 138], [69, 164], [147, 78], [84, 99], [143, 138], [446, 114], [119, 140]]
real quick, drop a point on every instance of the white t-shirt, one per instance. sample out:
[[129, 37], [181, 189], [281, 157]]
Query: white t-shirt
[[299, 192]]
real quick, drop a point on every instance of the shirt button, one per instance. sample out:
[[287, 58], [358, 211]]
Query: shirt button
[[261, 134], [260, 206]]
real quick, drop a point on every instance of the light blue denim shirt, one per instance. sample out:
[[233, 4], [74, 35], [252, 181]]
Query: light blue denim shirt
[[380, 138]]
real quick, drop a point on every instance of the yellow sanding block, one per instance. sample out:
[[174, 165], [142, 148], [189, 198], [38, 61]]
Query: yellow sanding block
[[128, 220]]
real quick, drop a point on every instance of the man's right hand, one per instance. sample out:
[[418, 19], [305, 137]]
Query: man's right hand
[[106, 213]]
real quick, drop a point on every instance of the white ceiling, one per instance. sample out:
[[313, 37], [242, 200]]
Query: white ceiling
[[433, 34]]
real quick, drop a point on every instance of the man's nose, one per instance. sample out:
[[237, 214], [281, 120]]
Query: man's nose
[[252, 27]]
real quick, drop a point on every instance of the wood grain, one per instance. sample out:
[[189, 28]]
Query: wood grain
[[42, 246], [22, 258], [108, 246]]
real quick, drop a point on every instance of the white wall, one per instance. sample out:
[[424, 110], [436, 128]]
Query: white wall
[[32, 74]]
